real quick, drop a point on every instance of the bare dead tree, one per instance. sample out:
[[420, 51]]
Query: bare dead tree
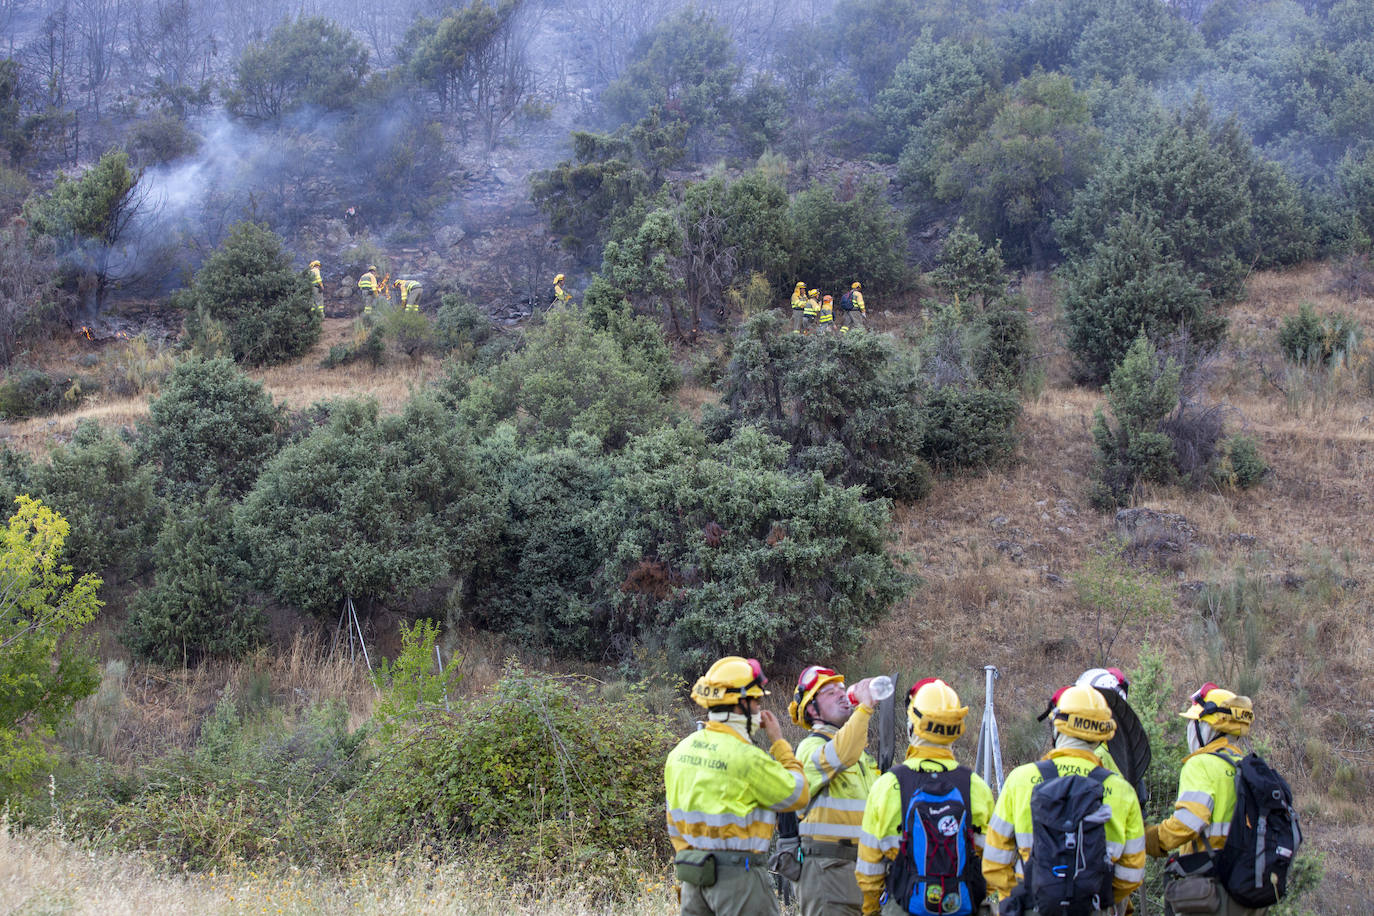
[[27, 284], [707, 264]]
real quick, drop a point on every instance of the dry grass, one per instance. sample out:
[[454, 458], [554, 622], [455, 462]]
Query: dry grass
[[296, 385], [43, 873]]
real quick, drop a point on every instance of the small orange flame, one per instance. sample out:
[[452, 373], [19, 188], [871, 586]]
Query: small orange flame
[[85, 331]]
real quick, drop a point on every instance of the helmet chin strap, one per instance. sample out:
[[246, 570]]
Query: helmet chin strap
[[1200, 735]]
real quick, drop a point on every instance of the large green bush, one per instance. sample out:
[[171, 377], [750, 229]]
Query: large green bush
[[211, 425], [98, 484], [534, 581], [369, 506], [970, 427], [33, 393], [841, 240], [1142, 393], [848, 405], [249, 285], [196, 608], [1131, 283], [569, 378], [718, 549], [542, 774]]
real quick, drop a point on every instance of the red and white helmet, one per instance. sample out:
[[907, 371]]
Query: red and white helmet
[[1105, 679]]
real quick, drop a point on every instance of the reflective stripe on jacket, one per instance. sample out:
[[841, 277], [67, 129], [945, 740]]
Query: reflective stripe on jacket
[[315, 277], [882, 825], [368, 281], [827, 311], [858, 300], [724, 793], [799, 300], [1206, 799], [839, 766], [1010, 831], [811, 308]]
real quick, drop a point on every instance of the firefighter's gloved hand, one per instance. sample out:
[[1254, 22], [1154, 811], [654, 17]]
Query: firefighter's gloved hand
[[1152, 847]]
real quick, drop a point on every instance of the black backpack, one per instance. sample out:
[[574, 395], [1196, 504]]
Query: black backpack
[[937, 870], [1265, 836], [847, 301], [1069, 872]]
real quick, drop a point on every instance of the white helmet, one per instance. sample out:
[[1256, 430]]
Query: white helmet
[[1105, 679]]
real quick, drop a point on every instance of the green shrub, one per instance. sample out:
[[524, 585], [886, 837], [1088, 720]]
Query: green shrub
[[569, 378], [848, 405], [249, 792], [1127, 284], [369, 506], [1240, 463], [211, 425], [368, 343], [196, 608], [534, 582], [106, 494], [248, 283], [412, 332], [969, 427], [840, 241], [35, 393], [546, 771], [718, 549], [1143, 391], [1319, 340], [461, 326], [412, 682]]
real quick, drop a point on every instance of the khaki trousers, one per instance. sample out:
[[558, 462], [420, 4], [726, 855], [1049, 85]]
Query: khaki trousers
[[796, 321], [827, 887], [736, 893]]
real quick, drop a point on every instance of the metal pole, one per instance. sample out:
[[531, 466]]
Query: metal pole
[[988, 759], [361, 642], [440, 658]]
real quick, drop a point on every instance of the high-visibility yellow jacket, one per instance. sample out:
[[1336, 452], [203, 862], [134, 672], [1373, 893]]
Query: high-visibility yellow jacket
[[724, 793], [560, 294], [827, 311], [368, 282], [799, 300], [1010, 831], [1107, 759], [315, 278], [858, 299], [811, 308], [882, 825], [835, 762], [406, 287], [1206, 799]]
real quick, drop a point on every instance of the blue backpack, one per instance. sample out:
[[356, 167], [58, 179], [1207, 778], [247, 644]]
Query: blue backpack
[[938, 871]]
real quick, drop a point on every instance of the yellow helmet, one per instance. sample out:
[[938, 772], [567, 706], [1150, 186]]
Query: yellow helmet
[[932, 708], [801, 285], [808, 685], [1082, 712], [813, 292], [856, 285], [314, 263], [728, 681], [372, 268], [1221, 709], [558, 278]]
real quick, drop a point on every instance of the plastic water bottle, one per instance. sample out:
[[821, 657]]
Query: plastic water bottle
[[882, 687]]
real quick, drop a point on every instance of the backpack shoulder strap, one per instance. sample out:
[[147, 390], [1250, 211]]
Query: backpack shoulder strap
[[1047, 770], [1101, 774]]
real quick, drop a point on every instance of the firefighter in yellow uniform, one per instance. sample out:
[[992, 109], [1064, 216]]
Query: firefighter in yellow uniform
[[1206, 783], [839, 774], [826, 317], [854, 315], [368, 283], [724, 795], [560, 295], [798, 306], [410, 294], [811, 310], [1104, 756], [935, 720], [317, 287], [1082, 720]]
